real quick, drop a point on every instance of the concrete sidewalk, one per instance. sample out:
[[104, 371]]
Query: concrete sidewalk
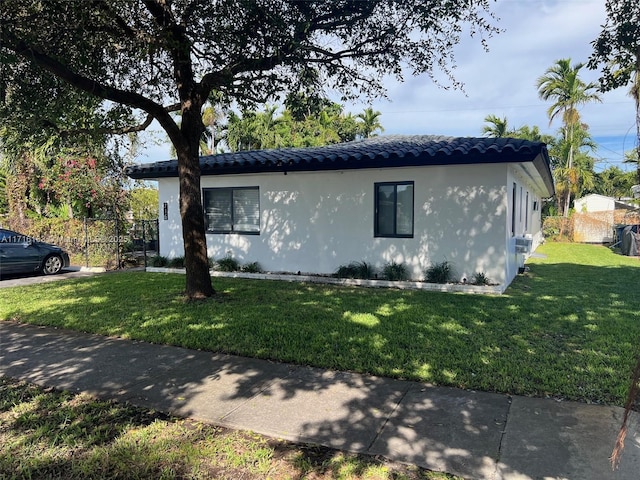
[[475, 435]]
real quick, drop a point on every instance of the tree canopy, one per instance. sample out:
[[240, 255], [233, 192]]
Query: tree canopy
[[616, 52], [149, 58]]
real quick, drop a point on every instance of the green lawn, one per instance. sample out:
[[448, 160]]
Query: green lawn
[[569, 327]]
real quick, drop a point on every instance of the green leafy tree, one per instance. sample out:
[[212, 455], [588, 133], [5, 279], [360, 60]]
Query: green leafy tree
[[241, 131], [616, 52], [369, 122], [252, 130], [614, 182], [31, 149], [81, 188], [144, 203], [347, 128], [302, 105], [562, 84], [149, 58]]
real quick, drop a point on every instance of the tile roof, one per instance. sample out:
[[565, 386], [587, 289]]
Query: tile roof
[[376, 152]]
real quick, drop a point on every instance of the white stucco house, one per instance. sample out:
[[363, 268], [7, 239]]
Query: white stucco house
[[419, 200]]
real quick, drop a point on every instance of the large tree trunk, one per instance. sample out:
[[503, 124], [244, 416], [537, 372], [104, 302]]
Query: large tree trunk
[[195, 246], [196, 262]]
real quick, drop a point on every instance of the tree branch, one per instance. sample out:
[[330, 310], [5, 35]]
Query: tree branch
[[135, 100]]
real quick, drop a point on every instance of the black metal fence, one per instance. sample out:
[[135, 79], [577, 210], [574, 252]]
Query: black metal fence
[[144, 241], [94, 242], [116, 244]]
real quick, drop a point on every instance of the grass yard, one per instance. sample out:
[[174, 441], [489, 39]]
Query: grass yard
[[569, 328], [52, 434]]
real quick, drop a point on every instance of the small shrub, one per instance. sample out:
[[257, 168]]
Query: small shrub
[[361, 270], [252, 267], [558, 228], [441, 272], [480, 278], [395, 271], [228, 264], [346, 271], [176, 262], [158, 261], [365, 270]]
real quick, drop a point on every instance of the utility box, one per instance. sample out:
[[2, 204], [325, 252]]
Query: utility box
[[523, 245]]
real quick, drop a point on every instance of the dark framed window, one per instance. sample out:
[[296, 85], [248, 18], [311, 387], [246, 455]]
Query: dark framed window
[[232, 210], [393, 209]]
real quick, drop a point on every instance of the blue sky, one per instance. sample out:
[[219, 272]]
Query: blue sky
[[502, 81]]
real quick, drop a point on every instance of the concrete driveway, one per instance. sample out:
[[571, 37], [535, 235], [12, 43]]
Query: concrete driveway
[[33, 278]]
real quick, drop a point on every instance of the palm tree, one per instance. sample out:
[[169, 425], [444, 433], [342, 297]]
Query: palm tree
[[575, 177], [532, 134], [497, 127], [211, 116], [327, 122], [266, 128], [240, 131], [631, 156], [561, 84], [370, 122]]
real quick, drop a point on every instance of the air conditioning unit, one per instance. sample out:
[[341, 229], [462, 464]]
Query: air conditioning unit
[[523, 245]]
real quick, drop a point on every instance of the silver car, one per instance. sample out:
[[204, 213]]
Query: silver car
[[23, 254]]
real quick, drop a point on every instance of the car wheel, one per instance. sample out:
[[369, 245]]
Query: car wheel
[[52, 265]]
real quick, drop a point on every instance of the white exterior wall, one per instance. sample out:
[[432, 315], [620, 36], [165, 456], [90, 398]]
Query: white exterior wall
[[594, 203], [313, 222], [524, 221]]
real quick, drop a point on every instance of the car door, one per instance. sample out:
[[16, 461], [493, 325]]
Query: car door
[[18, 253]]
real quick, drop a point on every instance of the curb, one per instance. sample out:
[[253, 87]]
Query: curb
[[93, 269]]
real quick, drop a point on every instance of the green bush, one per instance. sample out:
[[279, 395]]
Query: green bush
[[480, 278], [158, 261], [252, 267], [362, 270], [395, 271], [228, 264], [557, 228], [441, 272], [176, 262]]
